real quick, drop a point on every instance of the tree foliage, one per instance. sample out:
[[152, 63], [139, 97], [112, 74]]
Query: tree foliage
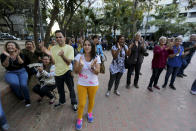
[[168, 20], [124, 15], [9, 8], [67, 10]]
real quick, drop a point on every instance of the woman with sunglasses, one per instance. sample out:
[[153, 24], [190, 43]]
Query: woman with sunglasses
[[87, 66]]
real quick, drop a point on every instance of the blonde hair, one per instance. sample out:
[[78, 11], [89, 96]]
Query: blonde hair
[[138, 33]]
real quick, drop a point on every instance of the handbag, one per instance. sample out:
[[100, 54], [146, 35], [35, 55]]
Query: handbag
[[102, 68], [103, 59], [126, 62]]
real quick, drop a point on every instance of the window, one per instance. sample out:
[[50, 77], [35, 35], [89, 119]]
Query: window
[[183, 14], [193, 15]]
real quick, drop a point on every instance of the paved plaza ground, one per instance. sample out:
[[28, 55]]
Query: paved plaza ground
[[134, 110]]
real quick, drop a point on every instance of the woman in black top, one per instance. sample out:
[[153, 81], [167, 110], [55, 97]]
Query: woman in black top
[[137, 52], [16, 75]]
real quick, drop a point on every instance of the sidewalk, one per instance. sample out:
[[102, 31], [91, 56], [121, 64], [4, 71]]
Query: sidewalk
[[134, 110]]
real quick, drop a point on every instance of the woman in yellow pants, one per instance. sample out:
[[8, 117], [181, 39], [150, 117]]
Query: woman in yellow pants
[[87, 66]]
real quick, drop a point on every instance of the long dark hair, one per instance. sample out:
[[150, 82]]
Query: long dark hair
[[93, 52], [118, 38], [16, 44]]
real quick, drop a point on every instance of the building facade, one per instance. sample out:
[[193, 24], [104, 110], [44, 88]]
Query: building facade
[[189, 13]]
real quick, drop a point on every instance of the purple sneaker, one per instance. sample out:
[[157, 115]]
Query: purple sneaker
[[79, 124], [90, 117]]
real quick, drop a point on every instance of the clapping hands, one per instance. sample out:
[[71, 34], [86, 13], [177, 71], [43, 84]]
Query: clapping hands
[[119, 47], [17, 52], [6, 53], [81, 62], [40, 69], [93, 63], [61, 53]]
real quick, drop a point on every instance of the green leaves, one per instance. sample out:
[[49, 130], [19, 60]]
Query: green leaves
[[169, 21]]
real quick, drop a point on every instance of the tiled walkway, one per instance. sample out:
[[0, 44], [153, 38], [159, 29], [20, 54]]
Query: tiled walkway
[[134, 110]]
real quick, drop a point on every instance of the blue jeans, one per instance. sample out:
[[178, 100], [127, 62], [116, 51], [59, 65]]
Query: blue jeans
[[18, 83], [3, 121], [193, 88], [173, 71]]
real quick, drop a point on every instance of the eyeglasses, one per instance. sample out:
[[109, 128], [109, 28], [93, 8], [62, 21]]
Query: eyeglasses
[[58, 37]]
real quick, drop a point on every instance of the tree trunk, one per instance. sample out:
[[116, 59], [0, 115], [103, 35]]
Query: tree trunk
[[54, 15], [8, 25], [63, 26], [35, 31], [114, 34], [134, 18]]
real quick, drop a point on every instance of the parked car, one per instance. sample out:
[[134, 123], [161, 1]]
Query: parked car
[[8, 37], [30, 37]]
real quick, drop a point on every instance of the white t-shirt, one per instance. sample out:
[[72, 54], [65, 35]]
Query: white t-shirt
[[87, 77]]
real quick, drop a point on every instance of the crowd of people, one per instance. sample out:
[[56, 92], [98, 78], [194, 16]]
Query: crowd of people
[[55, 65]]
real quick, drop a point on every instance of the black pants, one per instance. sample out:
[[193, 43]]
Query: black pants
[[155, 76], [44, 91], [114, 78], [68, 79], [137, 68]]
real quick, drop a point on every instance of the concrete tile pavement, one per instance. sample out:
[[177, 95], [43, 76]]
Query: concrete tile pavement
[[134, 110]]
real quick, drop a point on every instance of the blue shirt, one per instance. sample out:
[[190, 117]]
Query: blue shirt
[[74, 45], [177, 60], [99, 50]]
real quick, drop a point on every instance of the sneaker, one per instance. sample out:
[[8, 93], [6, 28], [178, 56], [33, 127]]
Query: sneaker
[[27, 103], [51, 101], [5, 127], [136, 85], [107, 93], [150, 89], [157, 87], [78, 124], [90, 117], [117, 92], [184, 75], [180, 75], [75, 107], [164, 86], [128, 86], [193, 92], [59, 104], [172, 87]]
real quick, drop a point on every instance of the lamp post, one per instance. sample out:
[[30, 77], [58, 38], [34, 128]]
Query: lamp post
[[40, 22], [146, 25]]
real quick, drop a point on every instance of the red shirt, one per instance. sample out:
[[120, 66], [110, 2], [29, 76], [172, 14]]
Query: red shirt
[[160, 56]]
